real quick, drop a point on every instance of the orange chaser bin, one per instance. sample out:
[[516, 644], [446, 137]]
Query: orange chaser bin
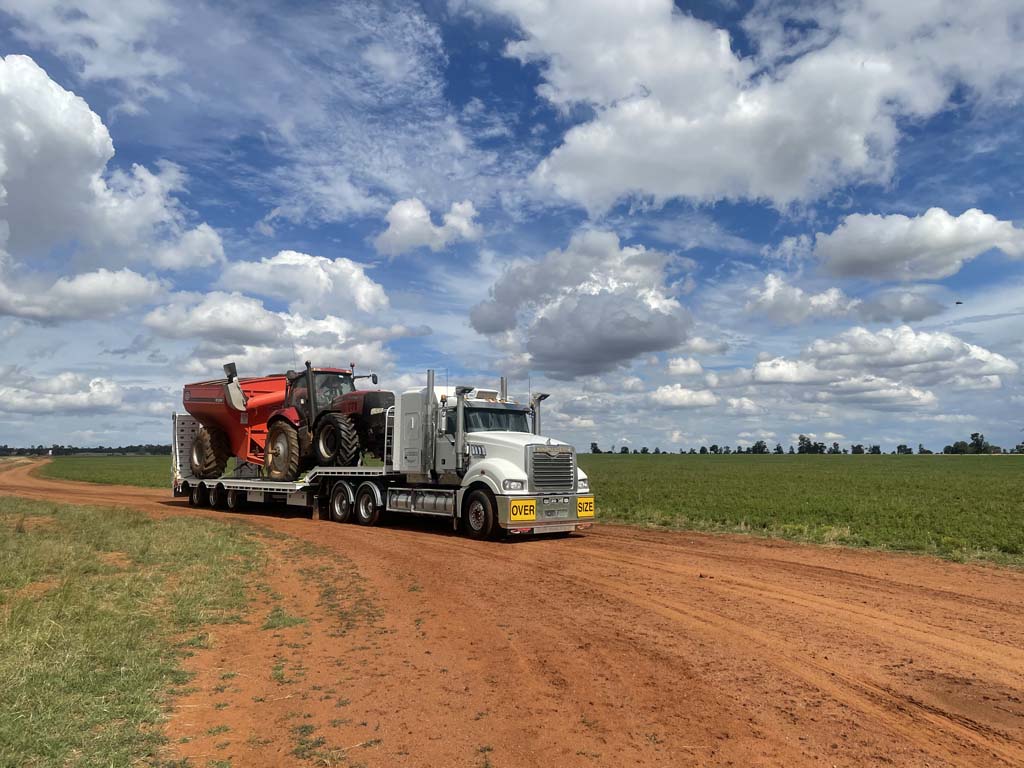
[[208, 403]]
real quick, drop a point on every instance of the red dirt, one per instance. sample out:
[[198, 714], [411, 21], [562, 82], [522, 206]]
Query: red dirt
[[619, 647]]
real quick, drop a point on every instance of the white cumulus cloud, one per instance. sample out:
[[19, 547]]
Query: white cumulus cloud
[[789, 304], [934, 245], [410, 227], [678, 396]]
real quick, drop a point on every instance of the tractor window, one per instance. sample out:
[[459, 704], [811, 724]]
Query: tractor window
[[330, 386]]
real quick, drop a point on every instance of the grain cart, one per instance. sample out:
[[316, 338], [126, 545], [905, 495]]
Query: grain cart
[[468, 454]]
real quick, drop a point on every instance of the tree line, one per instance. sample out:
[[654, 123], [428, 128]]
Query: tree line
[[148, 449], [976, 445]]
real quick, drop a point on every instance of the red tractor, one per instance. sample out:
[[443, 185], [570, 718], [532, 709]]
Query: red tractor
[[286, 422]]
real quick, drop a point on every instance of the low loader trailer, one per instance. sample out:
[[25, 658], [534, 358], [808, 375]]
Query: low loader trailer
[[467, 454]]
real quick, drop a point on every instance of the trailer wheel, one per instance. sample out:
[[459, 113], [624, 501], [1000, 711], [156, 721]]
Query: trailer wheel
[[198, 496], [281, 459], [216, 496], [367, 509], [341, 503], [480, 515], [337, 442], [233, 500], [210, 453]]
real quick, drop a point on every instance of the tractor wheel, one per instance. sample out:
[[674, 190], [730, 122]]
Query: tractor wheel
[[281, 459], [480, 515], [337, 442], [210, 453]]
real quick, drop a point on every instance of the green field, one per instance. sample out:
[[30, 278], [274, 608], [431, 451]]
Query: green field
[[962, 507], [97, 608], [147, 471]]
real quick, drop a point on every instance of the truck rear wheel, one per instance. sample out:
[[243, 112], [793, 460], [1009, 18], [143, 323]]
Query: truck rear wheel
[[210, 453], [198, 496], [341, 503], [216, 496], [367, 509], [480, 515], [281, 458], [233, 500], [337, 442]]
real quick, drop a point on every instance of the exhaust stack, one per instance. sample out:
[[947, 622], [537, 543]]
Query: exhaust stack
[[538, 398], [460, 429], [503, 390], [430, 424]]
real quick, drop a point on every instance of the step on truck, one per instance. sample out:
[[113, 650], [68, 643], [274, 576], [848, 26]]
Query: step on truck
[[468, 454]]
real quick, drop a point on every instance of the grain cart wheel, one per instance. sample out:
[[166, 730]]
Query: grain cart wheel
[[198, 496], [367, 509], [210, 453], [281, 458], [216, 496], [341, 502], [480, 515], [337, 442], [233, 500]]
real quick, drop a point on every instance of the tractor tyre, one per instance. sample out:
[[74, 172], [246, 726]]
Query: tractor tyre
[[281, 458], [337, 442], [210, 453]]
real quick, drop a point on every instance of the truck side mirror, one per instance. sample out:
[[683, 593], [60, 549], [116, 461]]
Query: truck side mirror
[[373, 378]]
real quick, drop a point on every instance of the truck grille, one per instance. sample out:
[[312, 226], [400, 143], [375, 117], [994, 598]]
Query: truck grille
[[552, 469]]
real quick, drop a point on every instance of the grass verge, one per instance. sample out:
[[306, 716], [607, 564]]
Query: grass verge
[[93, 606]]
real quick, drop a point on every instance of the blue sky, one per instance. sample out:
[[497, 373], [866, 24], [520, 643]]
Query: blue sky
[[691, 223]]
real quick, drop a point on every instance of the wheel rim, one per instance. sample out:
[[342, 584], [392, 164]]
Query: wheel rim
[[339, 505], [279, 453], [197, 455], [365, 506], [477, 515], [327, 444]]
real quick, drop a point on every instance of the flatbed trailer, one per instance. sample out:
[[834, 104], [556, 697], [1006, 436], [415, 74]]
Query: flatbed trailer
[[362, 493]]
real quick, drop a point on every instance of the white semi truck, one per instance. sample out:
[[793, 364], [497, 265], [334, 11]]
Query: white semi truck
[[468, 454]]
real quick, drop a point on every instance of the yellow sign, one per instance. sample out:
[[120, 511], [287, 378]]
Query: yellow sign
[[522, 509], [585, 506]]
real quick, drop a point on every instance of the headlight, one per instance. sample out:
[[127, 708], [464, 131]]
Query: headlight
[[477, 451], [513, 485], [582, 485]]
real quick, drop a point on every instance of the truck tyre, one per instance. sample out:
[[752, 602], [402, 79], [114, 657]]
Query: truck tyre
[[480, 515], [198, 496], [337, 442], [233, 500], [341, 503], [281, 458], [216, 495], [367, 509], [210, 453]]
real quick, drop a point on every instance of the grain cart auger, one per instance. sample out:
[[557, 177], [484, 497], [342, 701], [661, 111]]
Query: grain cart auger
[[286, 422]]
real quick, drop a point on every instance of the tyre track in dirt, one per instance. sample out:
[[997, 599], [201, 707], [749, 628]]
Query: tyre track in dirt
[[630, 647]]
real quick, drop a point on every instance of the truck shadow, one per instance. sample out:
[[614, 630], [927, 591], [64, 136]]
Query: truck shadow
[[395, 521]]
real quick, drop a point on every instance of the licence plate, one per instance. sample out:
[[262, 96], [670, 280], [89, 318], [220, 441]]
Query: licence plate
[[520, 510], [585, 506]]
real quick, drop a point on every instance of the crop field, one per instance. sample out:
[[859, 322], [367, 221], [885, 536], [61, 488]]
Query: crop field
[[144, 471], [962, 507]]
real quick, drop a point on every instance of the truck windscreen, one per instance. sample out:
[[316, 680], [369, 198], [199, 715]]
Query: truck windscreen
[[490, 420]]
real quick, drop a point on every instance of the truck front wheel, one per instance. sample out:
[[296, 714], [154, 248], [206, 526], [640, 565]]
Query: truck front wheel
[[480, 515]]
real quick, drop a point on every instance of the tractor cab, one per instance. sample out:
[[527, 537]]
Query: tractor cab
[[328, 385]]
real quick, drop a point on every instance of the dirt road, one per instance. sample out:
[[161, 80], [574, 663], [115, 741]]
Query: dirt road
[[619, 647]]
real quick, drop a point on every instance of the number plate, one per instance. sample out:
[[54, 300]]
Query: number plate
[[585, 506], [520, 510]]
